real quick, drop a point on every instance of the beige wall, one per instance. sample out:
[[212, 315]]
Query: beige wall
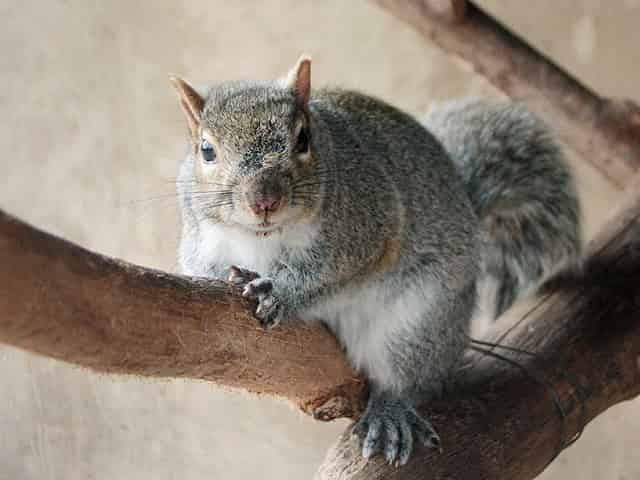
[[595, 40], [92, 132]]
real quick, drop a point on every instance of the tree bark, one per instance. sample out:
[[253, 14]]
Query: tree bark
[[602, 131]]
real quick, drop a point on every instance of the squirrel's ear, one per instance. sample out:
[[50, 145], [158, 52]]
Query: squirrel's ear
[[191, 101], [299, 80]]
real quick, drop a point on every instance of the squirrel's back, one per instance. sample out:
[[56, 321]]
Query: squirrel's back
[[521, 189]]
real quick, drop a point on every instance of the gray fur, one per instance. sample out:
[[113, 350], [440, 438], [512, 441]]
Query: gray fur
[[378, 238], [521, 189]]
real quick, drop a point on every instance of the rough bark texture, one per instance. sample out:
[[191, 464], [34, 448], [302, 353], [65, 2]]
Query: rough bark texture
[[506, 421], [604, 132], [59, 300]]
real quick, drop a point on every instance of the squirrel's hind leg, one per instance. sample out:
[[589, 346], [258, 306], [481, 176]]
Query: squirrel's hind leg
[[420, 349]]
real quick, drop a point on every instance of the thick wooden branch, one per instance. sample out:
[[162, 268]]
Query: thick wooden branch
[[65, 302], [604, 132], [500, 420]]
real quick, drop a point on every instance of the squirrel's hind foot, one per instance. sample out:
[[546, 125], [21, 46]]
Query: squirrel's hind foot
[[390, 425]]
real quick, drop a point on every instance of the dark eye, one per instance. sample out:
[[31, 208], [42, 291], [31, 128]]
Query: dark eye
[[208, 153], [302, 143]]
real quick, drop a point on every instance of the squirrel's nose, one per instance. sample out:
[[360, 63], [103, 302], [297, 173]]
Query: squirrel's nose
[[266, 204]]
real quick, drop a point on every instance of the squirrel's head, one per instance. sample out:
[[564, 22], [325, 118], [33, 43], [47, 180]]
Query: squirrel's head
[[253, 159]]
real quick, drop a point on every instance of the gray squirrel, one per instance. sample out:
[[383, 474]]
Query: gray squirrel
[[331, 205]]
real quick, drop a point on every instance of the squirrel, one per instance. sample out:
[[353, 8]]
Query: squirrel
[[334, 206]]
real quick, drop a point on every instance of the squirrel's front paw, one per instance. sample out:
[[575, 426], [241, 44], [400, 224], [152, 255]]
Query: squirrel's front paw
[[390, 425], [269, 310]]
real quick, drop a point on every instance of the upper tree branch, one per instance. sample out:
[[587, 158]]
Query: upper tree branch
[[604, 132]]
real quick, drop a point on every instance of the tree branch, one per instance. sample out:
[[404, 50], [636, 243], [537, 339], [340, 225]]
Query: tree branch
[[604, 132], [65, 302]]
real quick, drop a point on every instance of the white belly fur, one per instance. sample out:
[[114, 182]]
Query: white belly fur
[[364, 320]]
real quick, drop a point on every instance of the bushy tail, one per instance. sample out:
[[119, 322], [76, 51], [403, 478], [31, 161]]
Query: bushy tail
[[522, 191]]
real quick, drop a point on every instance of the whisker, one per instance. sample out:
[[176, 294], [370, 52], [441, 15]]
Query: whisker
[[197, 182], [168, 196], [210, 192]]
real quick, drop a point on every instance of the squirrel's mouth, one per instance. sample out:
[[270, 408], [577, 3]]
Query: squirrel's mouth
[[265, 231], [265, 228]]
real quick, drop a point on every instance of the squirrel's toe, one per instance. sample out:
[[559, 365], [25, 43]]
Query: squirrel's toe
[[391, 441], [406, 443], [258, 287], [425, 433], [241, 276], [371, 443]]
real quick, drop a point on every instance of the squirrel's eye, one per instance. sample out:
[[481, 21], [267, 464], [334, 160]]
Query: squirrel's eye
[[302, 144], [208, 153]]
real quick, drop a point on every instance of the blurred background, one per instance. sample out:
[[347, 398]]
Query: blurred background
[[91, 138]]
